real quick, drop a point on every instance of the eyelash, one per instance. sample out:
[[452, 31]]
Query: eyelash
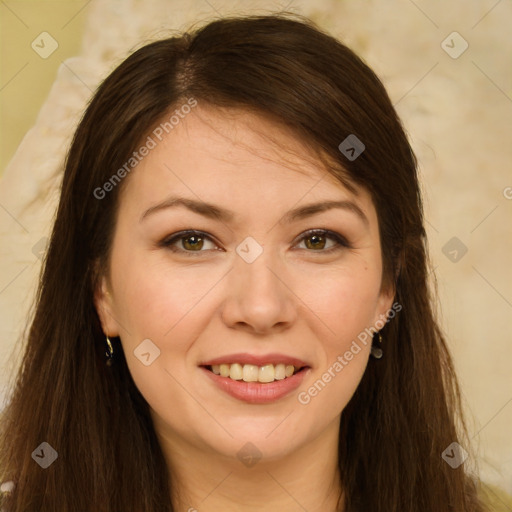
[[168, 242]]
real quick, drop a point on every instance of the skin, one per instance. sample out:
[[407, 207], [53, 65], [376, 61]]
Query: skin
[[295, 299]]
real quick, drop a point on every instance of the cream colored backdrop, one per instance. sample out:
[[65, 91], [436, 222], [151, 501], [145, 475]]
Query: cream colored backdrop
[[447, 66]]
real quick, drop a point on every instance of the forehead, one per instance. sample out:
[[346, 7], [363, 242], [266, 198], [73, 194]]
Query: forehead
[[232, 156]]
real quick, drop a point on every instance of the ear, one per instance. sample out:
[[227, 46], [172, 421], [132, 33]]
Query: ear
[[104, 304], [385, 302]]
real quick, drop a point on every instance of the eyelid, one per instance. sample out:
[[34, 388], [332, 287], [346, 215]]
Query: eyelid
[[168, 241], [341, 241]]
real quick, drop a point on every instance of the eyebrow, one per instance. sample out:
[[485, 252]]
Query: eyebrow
[[212, 211]]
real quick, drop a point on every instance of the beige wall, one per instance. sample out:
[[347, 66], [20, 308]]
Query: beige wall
[[25, 77]]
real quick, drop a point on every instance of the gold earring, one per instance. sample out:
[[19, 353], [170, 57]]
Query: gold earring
[[109, 353]]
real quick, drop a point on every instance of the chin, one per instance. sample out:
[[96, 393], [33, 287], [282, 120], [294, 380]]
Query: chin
[[265, 439]]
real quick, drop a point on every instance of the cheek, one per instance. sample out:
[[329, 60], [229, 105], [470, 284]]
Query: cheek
[[155, 297], [344, 300], [345, 304], [163, 305], [347, 307]]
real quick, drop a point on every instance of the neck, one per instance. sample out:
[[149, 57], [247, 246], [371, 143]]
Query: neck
[[205, 481]]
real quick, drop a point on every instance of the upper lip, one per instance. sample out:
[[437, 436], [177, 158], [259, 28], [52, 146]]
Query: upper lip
[[257, 360]]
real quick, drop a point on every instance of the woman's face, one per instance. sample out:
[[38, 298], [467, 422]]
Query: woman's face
[[250, 289]]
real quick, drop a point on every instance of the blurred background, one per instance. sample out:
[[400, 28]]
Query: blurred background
[[447, 67]]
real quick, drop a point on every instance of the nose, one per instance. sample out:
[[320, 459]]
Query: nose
[[259, 300]]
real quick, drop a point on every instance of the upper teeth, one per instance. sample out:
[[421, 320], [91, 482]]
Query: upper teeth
[[253, 373]]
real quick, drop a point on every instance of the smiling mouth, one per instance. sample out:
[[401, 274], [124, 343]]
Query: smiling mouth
[[251, 373]]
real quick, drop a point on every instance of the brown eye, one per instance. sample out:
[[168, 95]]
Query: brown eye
[[315, 242], [192, 242], [189, 243], [318, 241]]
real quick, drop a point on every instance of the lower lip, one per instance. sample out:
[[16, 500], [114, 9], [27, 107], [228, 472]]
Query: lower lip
[[256, 392]]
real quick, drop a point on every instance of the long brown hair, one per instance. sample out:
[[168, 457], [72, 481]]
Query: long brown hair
[[406, 410]]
